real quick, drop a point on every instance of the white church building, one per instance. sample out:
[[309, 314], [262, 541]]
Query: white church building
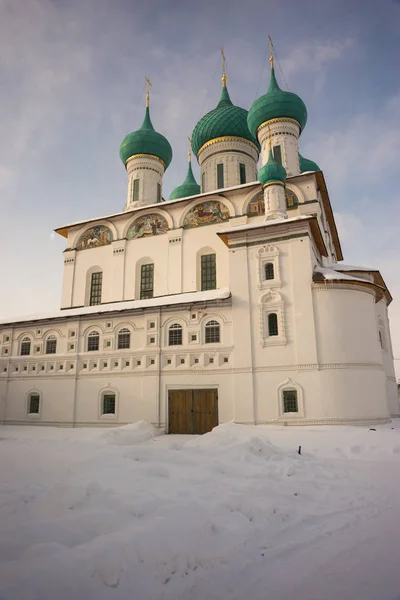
[[227, 302]]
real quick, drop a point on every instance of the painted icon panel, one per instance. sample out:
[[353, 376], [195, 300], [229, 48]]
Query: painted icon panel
[[256, 206], [206, 213], [94, 238], [151, 224]]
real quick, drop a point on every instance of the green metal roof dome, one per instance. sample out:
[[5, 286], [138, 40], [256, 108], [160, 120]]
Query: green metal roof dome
[[146, 141], [275, 104], [224, 120], [272, 171], [307, 165], [189, 187]]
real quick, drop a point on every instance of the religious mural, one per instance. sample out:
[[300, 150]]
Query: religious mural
[[151, 224], [94, 238], [206, 213], [256, 206]]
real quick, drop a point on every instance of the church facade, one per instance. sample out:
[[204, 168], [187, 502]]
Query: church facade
[[227, 302]]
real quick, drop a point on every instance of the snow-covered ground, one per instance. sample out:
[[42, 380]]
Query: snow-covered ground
[[235, 514]]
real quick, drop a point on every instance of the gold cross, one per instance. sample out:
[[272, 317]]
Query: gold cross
[[148, 86], [223, 67], [271, 50]]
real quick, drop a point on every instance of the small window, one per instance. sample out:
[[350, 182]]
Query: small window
[[158, 192], [175, 335], [273, 324], [146, 281], [193, 337], [34, 403], [152, 361], [290, 404], [203, 182], [182, 361], [25, 347], [212, 330], [208, 272], [95, 288], [242, 173], [269, 271], [220, 176], [277, 154], [124, 338], [135, 190], [108, 404], [51, 344], [93, 342]]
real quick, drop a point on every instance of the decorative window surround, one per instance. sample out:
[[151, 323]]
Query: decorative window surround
[[268, 254], [271, 302], [290, 385]]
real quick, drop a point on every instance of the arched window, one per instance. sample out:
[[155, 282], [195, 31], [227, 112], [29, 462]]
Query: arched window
[[25, 347], [51, 344], [175, 335], [93, 341], [290, 404], [108, 403], [269, 270], [124, 339], [33, 403], [212, 330], [273, 324]]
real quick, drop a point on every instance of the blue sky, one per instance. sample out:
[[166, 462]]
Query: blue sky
[[72, 74]]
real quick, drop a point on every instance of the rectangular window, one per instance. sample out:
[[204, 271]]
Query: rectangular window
[[290, 401], [158, 192], [109, 404], [135, 190], [277, 154], [203, 182], [208, 272], [34, 401], [25, 348], [220, 176], [95, 288], [146, 281], [242, 173], [51, 346]]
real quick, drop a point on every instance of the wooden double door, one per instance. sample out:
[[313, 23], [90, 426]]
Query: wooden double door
[[192, 411]]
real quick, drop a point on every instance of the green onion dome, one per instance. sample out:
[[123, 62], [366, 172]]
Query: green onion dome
[[146, 141], [307, 165], [226, 120], [189, 187], [272, 171], [276, 104]]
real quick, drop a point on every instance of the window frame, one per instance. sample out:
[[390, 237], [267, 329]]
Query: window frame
[[147, 281], [269, 271], [242, 173], [96, 288], [277, 152], [111, 397], [91, 336], [159, 196], [125, 345], [220, 176], [52, 339], [286, 401], [175, 334], [135, 189], [31, 396], [212, 332], [25, 342], [273, 324], [208, 273]]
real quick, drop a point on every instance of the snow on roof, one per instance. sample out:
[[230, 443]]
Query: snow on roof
[[160, 205], [340, 267], [175, 299], [329, 273], [263, 224]]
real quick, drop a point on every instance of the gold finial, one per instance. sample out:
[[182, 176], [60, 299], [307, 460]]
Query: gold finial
[[223, 68], [189, 149], [148, 86], [271, 52]]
